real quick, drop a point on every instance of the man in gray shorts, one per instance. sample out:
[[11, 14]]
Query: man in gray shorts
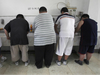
[[18, 29]]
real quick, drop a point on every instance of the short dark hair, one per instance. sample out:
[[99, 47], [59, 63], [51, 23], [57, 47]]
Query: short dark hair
[[42, 9], [64, 9], [20, 16], [85, 16]]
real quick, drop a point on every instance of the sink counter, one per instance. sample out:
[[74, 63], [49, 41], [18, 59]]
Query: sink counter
[[6, 42], [30, 35]]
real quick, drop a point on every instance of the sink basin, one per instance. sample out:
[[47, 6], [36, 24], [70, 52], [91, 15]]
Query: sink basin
[[1, 31]]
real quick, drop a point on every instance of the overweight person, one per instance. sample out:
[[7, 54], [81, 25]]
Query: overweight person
[[88, 38], [44, 38], [18, 29], [66, 35]]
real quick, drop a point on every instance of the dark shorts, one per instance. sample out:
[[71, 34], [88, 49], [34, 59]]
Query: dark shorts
[[83, 49]]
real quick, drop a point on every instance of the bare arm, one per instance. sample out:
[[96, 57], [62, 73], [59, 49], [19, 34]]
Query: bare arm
[[7, 34], [56, 29], [79, 26]]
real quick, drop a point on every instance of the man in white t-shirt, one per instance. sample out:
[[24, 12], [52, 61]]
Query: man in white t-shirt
[[66, 35]]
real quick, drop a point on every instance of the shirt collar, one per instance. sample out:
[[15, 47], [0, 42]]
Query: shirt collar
[[66, 13]]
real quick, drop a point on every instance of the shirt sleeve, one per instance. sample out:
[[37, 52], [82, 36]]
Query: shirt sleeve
[[7, 27], [27, 27], [57, 20]]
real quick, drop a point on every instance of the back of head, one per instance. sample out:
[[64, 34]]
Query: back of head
[[42, 9], [86, 16], [64, 9], [20, 16]]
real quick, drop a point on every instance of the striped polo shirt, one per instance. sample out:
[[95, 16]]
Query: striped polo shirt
[[44, 33], [67, 23]]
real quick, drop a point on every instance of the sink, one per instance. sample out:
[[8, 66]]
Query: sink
[[1, 31]]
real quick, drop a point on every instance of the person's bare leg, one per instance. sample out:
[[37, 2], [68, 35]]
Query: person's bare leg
[[59, 58], [88, 56], [80, 61], [58, 61], [82, 57], [66, 57]]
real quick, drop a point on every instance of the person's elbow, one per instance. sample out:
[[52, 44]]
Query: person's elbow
[[5, 31]]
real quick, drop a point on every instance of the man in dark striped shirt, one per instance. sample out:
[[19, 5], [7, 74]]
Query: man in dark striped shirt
[[88, 38]]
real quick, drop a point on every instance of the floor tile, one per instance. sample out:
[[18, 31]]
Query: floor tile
[[13, 69], [59, 70], [94, 65], [71, 68], [77, 69], [97, 56], [32, 70]]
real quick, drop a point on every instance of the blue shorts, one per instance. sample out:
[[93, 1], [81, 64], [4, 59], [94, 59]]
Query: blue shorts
[[83, 49]]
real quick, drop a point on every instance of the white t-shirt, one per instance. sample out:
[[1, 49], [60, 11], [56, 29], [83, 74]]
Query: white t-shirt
[[67, 23]]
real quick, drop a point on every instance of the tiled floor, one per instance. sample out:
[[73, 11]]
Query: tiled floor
[[70, 69]]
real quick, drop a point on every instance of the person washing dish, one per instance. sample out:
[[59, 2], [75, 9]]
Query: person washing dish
[[88, 38], [44, 38], [66, 35], [18, 29]]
